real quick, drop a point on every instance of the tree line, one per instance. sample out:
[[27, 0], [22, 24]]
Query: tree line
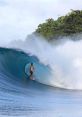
[[63, 26]]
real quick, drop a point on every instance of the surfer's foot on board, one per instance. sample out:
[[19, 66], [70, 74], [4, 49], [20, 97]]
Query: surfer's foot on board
[[31, 78]]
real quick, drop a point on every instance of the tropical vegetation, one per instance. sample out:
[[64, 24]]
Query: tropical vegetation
[[63, 26]]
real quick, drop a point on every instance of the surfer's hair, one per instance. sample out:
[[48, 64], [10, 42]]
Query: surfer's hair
[[31, 63]]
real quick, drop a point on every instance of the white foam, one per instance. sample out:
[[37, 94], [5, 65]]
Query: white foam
[[64, 59]]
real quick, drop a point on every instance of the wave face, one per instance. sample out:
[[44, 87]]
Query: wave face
[[13, 64], [57, 65]]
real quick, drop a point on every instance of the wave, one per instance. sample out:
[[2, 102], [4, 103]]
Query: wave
[[13, 65], [57, 65]]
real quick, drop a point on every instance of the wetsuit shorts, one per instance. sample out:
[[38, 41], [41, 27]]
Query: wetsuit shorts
[[31, 72]]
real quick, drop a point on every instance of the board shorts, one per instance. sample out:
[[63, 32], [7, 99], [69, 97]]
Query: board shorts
[[31, 72]]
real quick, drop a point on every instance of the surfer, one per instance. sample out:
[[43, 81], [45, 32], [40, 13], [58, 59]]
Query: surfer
[[31, 70]]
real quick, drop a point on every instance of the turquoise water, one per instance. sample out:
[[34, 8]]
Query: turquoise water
[[22, 97]]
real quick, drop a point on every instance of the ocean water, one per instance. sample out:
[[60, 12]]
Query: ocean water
[[22, 97]]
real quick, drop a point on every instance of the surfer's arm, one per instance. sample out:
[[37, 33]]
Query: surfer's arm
[[33, 68]]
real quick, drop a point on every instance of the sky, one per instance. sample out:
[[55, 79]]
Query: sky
[[18, 18]]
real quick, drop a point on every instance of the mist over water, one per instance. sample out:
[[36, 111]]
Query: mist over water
[[64, 59]]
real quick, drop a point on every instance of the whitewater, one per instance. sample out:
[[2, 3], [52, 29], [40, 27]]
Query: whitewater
[[64, 60], [57, 89]]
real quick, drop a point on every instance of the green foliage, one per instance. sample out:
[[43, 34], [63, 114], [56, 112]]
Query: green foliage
[[64, 25]]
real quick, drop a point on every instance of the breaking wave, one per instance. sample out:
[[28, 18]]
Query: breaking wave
[[55, 65]]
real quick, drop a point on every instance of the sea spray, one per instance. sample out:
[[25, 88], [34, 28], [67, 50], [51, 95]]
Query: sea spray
[[64, 59]]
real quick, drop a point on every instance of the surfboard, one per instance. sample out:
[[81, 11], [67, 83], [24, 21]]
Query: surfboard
[[32, 78]]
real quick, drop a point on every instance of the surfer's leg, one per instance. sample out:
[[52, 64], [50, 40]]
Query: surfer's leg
[[31, 75]]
